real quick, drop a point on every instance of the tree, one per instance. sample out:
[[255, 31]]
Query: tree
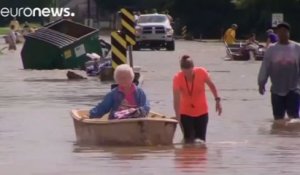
[[202, 16], [257, 14], [116, 5]]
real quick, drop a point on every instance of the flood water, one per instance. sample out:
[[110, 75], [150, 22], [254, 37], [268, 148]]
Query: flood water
[[37, 135]]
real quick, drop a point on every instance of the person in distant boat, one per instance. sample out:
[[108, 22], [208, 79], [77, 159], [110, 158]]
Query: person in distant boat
[[252, 45], [189, 99], [230, 34], [126, 100], [272, 37], [282, 64]]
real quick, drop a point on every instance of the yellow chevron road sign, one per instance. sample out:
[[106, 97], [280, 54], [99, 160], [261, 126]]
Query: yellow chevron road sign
[[119, 49], [128, 25]]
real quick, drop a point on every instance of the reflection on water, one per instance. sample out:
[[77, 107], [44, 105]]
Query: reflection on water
[[123, 152], [285, 128], [191, 158], [186, 158]]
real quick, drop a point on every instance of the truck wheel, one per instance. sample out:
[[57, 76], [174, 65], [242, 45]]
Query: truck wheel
[[171, 45]]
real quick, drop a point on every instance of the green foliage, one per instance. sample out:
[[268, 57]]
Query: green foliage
[[204, 17], [115, 5], [4, 30], [256, 15]]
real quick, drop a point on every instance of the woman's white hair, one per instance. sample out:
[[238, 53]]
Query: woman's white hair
[[123, 68]]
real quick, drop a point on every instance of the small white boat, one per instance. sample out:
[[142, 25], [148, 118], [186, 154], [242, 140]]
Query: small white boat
[[155, 129], [238, 52]]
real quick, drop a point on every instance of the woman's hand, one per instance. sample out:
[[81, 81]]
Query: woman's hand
[[261, 90], [218, 107]]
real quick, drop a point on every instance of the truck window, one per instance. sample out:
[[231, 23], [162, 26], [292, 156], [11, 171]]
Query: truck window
[[152, 19]]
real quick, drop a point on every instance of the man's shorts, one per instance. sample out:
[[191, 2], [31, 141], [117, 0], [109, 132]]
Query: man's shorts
[[285, 104]]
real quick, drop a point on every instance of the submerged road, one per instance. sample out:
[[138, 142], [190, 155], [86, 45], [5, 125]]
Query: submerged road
[[37, 134]]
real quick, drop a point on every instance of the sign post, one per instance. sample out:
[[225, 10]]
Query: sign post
[[119, 54], [128, 28], [277, 18]]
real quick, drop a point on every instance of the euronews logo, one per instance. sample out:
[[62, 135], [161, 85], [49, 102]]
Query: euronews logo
[[36, 12]]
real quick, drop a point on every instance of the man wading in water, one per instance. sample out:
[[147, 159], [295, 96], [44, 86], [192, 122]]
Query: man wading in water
[[190, 102], [282, 64]]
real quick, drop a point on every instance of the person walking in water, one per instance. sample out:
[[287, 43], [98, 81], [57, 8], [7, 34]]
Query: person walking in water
[[230, 34], [189, 99], [12, 39], [282, 64], [272, 38]]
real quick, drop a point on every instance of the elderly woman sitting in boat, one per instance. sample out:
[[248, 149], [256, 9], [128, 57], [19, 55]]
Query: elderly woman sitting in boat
[[125, 101]]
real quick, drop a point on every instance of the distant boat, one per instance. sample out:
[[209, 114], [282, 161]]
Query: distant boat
[[238, 52], [155, 129]]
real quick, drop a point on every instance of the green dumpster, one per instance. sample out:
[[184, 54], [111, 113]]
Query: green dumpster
[[62, 44]]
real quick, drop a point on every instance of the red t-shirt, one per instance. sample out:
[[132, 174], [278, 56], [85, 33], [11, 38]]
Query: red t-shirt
[[192, 103], [129, 100]]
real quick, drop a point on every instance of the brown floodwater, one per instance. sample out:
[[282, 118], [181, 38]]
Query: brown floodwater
[[37, 135]]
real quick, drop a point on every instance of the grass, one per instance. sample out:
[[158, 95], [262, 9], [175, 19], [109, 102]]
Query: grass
[[4, 30], [34, 25]]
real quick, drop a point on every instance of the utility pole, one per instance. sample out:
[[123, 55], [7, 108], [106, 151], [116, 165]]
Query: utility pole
[[55, 5], [89, 13]]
